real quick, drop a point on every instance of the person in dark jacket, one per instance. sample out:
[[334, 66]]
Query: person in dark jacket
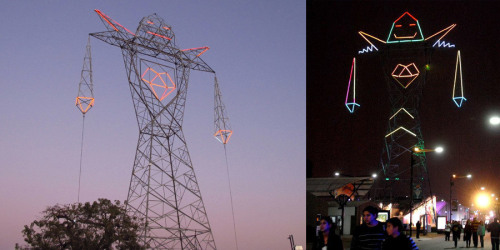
[[397, 240], [467, 233], [456, 229], [371, 234], [494, 228], [418, 229], [327, 239]]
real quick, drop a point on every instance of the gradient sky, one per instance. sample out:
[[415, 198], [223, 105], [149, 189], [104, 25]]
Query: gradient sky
[[258, 52], [352, 143]]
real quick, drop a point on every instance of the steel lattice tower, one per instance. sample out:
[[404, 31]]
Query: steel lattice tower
[[405, 58], [163, 186]]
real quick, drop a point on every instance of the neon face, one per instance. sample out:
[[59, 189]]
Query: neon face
[[158, 82], [405, 74], [223, 135], [405, 29], [351, 103]]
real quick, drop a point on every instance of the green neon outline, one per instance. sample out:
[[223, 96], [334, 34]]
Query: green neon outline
[[406, 41]]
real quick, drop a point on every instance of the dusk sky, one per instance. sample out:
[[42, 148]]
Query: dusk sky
[[352, 143], [257, 48]]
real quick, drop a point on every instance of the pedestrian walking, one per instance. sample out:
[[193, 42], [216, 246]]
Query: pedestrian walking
[[494, 229], [467, 233], [327, 239], [447, 231], [396, 239], [481, 232], [418, 229], [474, 224], [456, 229], [371, 233]]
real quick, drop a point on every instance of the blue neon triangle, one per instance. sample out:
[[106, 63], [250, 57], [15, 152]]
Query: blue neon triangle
[[351, 106], [459, 101]]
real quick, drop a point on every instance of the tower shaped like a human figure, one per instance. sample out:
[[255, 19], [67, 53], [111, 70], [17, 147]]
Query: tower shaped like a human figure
[[163, 187], [405, 57]]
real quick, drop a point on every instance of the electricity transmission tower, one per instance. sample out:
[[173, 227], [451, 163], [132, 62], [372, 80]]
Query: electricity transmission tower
[[405, 57], [163, 186]]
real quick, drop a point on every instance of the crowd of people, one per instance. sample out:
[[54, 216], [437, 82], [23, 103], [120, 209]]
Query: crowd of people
[[475, 230], [373, 234]]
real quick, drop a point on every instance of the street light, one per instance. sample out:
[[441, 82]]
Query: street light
[[494, 120], [454, 176]]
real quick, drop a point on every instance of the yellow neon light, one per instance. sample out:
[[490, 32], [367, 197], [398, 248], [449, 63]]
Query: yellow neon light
[[402, 129], [447, 29], [399, 111], [86, 100], [222, 133], [366, 39], [459, 63]]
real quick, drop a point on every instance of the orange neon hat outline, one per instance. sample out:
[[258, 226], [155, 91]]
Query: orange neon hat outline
[[168, 90], [221, 132], [405, 72], [204, 50], [78, 103]]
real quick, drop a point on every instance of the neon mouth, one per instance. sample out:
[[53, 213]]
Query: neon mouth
[[405, 37]]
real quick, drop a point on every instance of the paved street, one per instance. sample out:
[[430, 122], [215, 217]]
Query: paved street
[[436, 241], [432, 241]]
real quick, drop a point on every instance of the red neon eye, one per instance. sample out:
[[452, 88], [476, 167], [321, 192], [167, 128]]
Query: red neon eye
[[412, 24], [398, 25]]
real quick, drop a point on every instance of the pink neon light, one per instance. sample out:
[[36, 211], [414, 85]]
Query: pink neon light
[[167, 28], [150, 22], [149, 32], [405, 14], [107, 18], [204, 50], [349, 85]]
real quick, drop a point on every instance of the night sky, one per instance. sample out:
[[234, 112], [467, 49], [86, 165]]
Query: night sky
[[352, 143]]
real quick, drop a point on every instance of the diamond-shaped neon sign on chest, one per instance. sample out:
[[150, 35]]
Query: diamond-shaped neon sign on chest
[[405, 74]]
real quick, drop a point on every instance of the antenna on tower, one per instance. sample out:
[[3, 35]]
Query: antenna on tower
[[85, 98]]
